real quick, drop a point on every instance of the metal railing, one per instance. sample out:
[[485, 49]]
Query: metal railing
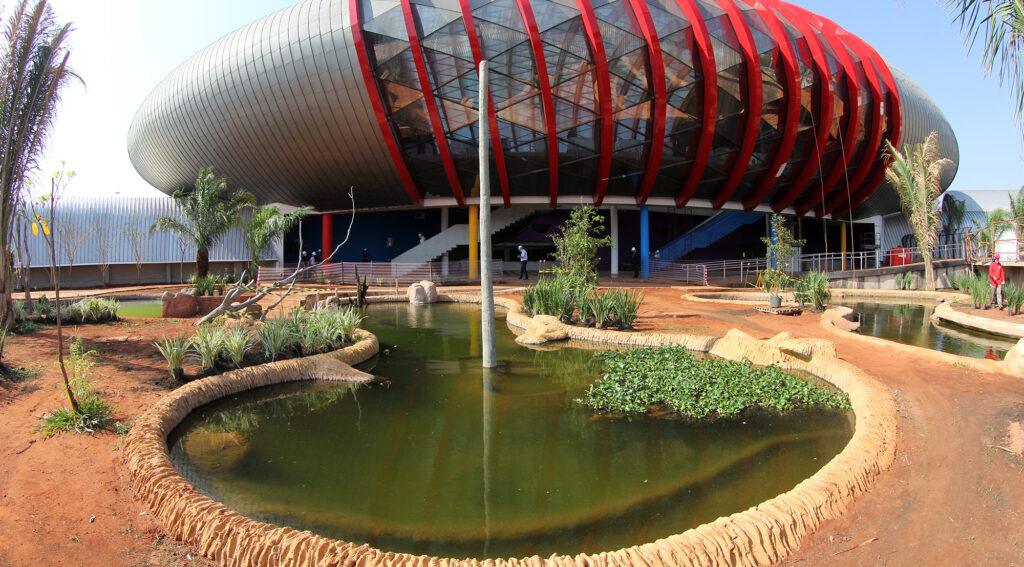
[[691, 274], [746, 270], [383, 273]]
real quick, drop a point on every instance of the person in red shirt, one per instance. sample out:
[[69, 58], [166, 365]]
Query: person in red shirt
[[996, 278]]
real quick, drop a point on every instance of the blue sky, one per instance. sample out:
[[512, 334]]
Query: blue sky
[[123, 48]]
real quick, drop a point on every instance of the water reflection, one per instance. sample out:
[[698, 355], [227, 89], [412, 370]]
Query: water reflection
[[912, 324]]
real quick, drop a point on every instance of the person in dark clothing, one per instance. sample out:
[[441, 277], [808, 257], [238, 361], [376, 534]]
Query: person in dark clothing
[[522, 264], [635, 259], [366, 255]]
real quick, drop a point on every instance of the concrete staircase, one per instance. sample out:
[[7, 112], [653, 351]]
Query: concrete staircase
[[707, 233], [455, 235]]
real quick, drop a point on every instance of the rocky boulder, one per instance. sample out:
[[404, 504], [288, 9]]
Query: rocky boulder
[[417, 294], [1014, 359], [430, 290], [178, 305], [543, 329]]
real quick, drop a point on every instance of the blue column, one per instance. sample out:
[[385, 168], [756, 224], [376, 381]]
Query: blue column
[[645, 242], [774, 236]]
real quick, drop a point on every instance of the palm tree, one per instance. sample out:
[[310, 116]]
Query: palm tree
[[1017, 214], [268, 224], [33, 72], [999, 24], [207, 212], [916, 175], [989, 231]]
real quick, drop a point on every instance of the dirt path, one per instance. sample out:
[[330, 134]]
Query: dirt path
[[952, 498]]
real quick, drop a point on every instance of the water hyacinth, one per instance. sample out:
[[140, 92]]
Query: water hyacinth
[[638, 379]]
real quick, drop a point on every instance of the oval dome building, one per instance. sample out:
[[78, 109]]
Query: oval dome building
[[695, 105]]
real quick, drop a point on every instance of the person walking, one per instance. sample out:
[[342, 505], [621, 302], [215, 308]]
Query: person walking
[[996, 277], [422, 238], [635, 260], [522, 263]]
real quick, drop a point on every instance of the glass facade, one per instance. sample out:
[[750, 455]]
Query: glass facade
[[550, 60]]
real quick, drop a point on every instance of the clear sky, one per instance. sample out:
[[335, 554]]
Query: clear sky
[[124, 48]]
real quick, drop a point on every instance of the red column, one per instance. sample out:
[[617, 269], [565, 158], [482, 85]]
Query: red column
[[327, 235]]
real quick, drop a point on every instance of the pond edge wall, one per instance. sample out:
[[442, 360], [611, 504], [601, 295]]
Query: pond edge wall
[[761, 535]]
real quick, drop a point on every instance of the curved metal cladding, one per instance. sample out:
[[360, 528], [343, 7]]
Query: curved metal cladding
[[754, 104]]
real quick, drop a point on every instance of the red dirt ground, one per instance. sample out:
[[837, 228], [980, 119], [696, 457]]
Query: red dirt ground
[[953, 497]]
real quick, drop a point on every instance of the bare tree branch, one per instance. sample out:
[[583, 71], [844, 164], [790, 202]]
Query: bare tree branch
[[287, 284]]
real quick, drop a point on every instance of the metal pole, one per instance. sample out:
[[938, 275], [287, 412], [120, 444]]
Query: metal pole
[[490, 357]]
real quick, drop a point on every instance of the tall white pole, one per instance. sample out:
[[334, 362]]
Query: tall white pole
[[490, 357]]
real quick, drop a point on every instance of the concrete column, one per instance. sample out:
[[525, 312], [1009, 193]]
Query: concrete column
[[613, 220], [474, 251], [490, 357], [327, 235], [645, 242]]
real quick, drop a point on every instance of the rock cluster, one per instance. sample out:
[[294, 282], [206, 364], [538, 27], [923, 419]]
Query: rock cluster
[[422, 292]]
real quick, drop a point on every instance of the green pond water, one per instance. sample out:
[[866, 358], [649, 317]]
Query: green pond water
[[139, 308], [911, 324], [440, 457]]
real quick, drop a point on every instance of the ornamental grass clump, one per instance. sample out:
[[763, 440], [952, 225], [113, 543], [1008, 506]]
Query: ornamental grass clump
[[980, 291], [175, 351], [237, 342], [276, 338], [208, 345], [93, 412], [1013, 295], [640, 379]]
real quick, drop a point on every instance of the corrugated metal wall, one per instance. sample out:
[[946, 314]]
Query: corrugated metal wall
[[104, 223]]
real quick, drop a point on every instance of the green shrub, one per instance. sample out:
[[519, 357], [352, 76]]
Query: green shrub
[[43, 308], [19, 311], [175, 351], [817, 288], [980, 291], [625, 305], [962, 281], [638, 379], [598, 307], [550, 297], [1013, 295], [208, 345], [94, 412], [275, 337], [93, 310], [237, 342]]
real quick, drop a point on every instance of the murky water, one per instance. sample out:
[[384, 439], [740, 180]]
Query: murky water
[[139, 308], [442, 458], [911, 324]]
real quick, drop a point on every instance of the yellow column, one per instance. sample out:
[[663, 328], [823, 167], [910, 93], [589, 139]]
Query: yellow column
[[842, 244], [474, 241]]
